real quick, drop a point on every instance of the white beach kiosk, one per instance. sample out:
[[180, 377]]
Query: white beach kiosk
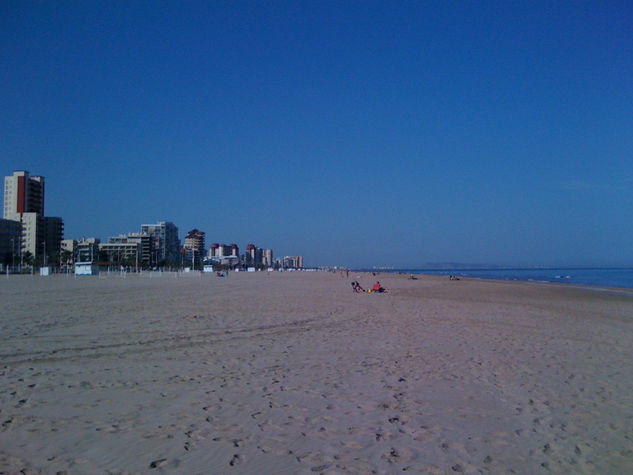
[[86, 268]]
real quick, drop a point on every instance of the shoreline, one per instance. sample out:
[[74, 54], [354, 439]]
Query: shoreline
[[415, 272], [527, 274], [294, 373]]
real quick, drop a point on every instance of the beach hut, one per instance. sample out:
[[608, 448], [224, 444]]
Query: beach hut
[[86, 268]]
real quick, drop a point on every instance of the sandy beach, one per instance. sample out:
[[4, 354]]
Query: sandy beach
[[295, 373]]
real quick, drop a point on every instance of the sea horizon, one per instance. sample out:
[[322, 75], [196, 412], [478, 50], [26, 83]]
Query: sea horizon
[[607, 276]]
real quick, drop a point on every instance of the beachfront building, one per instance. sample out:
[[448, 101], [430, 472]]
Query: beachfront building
[[194, 246], [165, 242], [32, 233], [121, 252], [253, 256], [87, 250], [68, 246], [9, 242], [146, 247], [267, 258], [53, 236], [24, 202], [126, 247], [23, 193], [223, 250], [224, 254], [67, 252], [40, 236], [292, 262]]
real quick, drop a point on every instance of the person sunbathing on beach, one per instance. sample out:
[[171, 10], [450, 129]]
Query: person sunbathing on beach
[[378, 288], [357, 288]]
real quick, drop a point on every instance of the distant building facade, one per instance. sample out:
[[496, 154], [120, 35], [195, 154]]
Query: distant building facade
[[292, 262], [267, 259], [194, 245], [24, 196], [23, 193], [253, 257], [120, 252], [224, 254], [9, 241], [53, 236], [224, 250], [33, 233], [67, 251], [136, 247], [68, 246], [87, 250], [195, 241], [166, 244], [146, 247]]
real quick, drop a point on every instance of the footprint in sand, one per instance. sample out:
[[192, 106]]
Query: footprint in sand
[[21, 403], [7, 423], [157, 463]]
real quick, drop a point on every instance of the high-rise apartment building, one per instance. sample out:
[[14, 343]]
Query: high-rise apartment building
[[33, 234], [194, 246], [267, 259], [23, 193], [53, 236], [24, 202], [195, 241], [292, 262], [224, 250], [166, 244], [254, 255], [9, 242]]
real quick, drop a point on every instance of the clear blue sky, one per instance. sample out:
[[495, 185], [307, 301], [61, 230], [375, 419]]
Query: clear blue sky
[[354, 133]]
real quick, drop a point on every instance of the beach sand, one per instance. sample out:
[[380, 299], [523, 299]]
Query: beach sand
[[294, 373]]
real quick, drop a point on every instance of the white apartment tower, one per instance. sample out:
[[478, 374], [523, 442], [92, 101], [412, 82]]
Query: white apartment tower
[[267, 258]]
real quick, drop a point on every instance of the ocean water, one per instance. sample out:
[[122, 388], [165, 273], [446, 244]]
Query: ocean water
[[601, 277]]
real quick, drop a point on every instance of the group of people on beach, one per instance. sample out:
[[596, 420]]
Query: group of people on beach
[[376, 288]]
